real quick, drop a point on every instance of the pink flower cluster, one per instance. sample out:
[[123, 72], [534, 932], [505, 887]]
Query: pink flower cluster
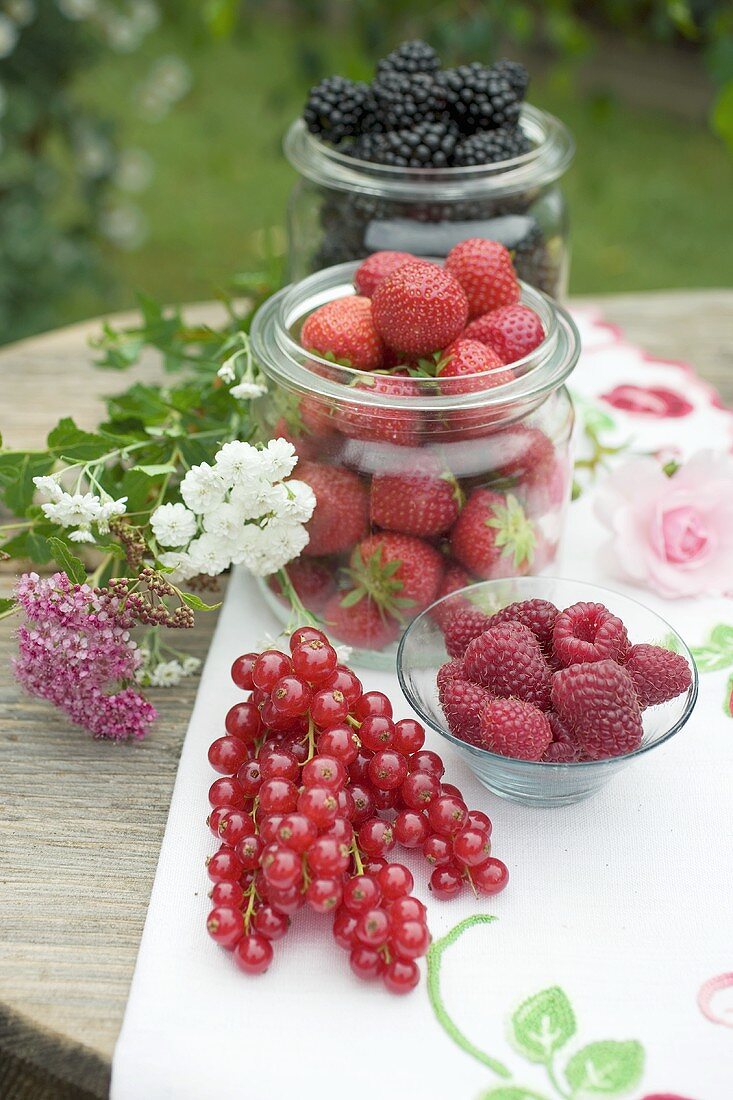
[[74, 649]]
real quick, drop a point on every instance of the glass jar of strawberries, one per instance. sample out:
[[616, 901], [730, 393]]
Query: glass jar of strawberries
[[426, 402], [344, 207]]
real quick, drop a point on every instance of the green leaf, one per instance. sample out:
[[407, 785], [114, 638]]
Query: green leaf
[[6, 606], [71, 442], [711, 659], [197, 604], [543, 1024], [16, 475], [71, 565], [722, 638], [606, 1068], [510, 1092], [155, 471], [37, 548]]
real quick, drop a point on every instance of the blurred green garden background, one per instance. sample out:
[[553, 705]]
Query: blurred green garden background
[[140, 139]]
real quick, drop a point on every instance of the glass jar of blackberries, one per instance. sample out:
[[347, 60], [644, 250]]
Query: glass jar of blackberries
[[427, 476], [344, 207]]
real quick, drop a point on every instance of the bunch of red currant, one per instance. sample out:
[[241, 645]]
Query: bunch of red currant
[[318, 785]]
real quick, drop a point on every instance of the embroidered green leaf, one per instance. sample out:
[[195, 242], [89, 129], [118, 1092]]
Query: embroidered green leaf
[[511, 1092], [728, 700], [722, 638], [605, 1068], [69, 563], [543, 1024], [711, 659]]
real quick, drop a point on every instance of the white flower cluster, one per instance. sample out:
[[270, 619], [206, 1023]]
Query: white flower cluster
[[165, 673], [238, 511], [79, 510], [240, 368]]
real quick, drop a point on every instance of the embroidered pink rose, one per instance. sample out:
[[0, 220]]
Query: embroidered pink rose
[[672, 534], [648, 401]]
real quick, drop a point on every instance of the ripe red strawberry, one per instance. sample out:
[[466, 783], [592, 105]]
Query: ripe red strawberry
[[658, 674], [303, 445], [343, 330], [537, 615], [455, 577], [463, 704], [514, 728], [468, 366], [527, 456], [313, 581], [507, 661], [599, 703], [419, 308], [486, 272], [423, 504], [512, 331], [399, 572], [589, 632], [341, 517], [377, 267], [377, 423], [492, 536], [358, 621], [462, 627]]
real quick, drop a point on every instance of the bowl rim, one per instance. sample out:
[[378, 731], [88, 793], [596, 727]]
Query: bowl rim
[[476, 750]]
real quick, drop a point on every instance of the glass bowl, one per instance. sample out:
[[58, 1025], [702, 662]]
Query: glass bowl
[[422, 651]]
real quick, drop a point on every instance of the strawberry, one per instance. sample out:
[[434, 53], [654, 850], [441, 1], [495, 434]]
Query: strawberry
[[354, 618], [312, 580], [341, 517], [399, 572], [527, 456], [343, 330], [304, 446], [482, 366], [423, 504], [486, 272], [455, 577], [419, 308], [380, 422], [377, 267], [512, 331], [492, 536]]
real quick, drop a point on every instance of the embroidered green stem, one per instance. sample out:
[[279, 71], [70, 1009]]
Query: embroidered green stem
[[558, 1087], [434, 961]]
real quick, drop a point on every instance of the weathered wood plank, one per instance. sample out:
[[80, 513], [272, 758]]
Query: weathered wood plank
[[81, 822]]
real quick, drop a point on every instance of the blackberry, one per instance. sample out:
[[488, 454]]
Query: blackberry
[[477, 98], [410, 57], [424, 145], [337, 108], [515, 75], [402, 100], [492, 146]]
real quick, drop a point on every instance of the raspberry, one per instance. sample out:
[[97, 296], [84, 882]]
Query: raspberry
[[598, 701], [514, 728], [451, 670], [564, 748], [658, 674], [537, 615], [507, 660], [462, 628], [589, 632], [463, 704]]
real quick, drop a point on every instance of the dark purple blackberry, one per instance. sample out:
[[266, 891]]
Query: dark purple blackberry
[[492, 146], [403, 100], [424, 145], [337, 107], [478, 99], [515, 75], [410, 57]]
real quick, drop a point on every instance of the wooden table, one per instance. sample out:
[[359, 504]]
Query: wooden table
[[80, 822]]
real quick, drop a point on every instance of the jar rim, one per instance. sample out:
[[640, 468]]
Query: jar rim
[[285, 361], [552, 150]]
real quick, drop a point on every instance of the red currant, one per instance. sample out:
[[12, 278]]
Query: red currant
[[328, 707], [226, 754], [227, 894], [250, 778], [373, 866], [227, 792], [243, 721], [279, 763], [427, 761], [324, 771], [341, 829], [248, 852], [411, 829], [409, 736], [410, 939], [452, 790], [269, 923], [446, 881], [366, 963], [269, 667], [344, 925], [387, 769], [253, 954], [401, 976], [291, 696], [315, 661], [278, 796], [419, 790], [447, 815], [478, 820], [359, 770], [286, 902], [305, 634], [362, 893], [372, 702], [437, 850], [376, 837], [472, 847], [363, 803], [372, 928], [490, 877], [395, 881], [214, 819], [340, 741], [281, 866], [320, 804], [376, 732], [242, 671], [343, 679], [268, 825], [224, 866], [347, 806], [324, 894], [386, 800], [328, 857], [404, 909], [234, 825], [225, 925], [296, 831]]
